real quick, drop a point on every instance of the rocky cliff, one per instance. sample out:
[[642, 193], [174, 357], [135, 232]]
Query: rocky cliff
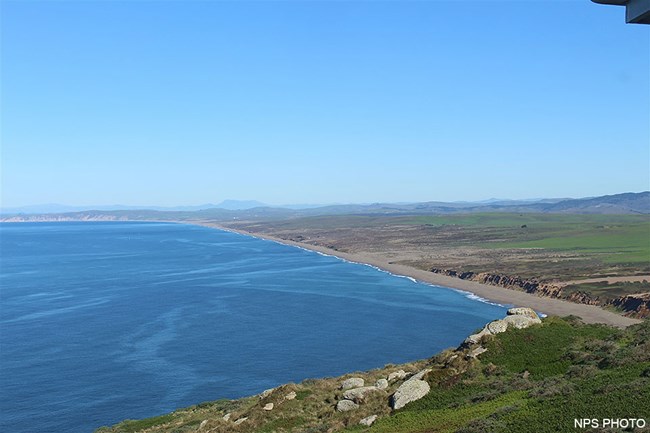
[[631, 305]]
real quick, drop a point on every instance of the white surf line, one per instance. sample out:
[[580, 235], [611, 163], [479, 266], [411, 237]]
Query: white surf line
[[465, 293]]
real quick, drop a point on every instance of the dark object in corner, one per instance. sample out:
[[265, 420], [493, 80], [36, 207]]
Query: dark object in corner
[[636, 11]]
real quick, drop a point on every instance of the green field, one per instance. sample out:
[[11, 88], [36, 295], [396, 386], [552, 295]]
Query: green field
[[612, 239]]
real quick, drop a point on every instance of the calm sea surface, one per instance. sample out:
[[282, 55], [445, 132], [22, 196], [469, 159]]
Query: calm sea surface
[[105, 321]]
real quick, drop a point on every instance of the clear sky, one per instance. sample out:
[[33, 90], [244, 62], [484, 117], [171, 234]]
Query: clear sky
[[174, 103]]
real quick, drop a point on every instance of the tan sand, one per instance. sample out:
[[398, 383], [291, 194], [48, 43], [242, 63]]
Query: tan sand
[[550, 306]]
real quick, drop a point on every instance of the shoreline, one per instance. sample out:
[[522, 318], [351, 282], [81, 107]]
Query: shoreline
[[496, 294]]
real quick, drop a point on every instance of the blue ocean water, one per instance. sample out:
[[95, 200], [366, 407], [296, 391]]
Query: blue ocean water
[[100, 322]]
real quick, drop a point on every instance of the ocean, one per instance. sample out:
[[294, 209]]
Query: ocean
[[103, 321]]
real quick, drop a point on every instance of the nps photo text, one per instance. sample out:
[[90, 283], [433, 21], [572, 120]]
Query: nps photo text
[[623, 423]]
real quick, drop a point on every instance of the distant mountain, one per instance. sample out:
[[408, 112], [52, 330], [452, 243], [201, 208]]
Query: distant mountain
[[61, 208], [626, 203], [609, 204], [240, 204]]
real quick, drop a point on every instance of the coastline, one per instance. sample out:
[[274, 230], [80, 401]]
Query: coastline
[[500, 295]]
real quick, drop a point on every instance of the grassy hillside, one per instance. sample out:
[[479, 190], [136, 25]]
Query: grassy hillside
[[530, 380]]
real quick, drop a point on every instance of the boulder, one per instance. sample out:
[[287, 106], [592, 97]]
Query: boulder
[[381, 384], [290, 396], [241, 420], [497, 327], [346, 405], [226, 417], [358, 395], [400, 374], [203, 423], [266, 393], [268, 406], [523, 311], [521, 317], [476, 338], [411, 390], [520, 322], [420, 374], [369, 420], [353, 382]]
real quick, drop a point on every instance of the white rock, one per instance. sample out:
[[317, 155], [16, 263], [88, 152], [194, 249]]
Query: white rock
[[227, 416], [400, 374], [203, 423], [358, 394], [353, 382], [475, 338], [497, 326], [523, 311], [369, 420], [241, 420], [266, 393], [411, 390], [268, 406], [290, 396], [346, 405], [517, 318], [381, 384], [520, 322]]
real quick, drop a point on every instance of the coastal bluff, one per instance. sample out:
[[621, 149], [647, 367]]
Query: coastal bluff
[[358, 399]]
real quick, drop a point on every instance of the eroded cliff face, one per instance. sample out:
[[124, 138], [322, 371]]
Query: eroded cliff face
[[639, 304], [631, 305]]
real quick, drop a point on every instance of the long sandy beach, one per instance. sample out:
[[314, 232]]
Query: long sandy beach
[[551, 306]]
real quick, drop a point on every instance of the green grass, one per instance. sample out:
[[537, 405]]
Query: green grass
[[532, 220], [607, 291], [445, 420], [612, 244], [612, 239], [281, 424], [575, 371], [540, 349], [131, 426]]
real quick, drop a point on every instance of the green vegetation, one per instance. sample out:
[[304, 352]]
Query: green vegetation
[[608, 291], [540, 350], [131, 426], [611, 238], [536, 380]]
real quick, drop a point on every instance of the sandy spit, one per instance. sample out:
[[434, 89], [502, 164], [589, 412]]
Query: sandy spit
[[550, 306]]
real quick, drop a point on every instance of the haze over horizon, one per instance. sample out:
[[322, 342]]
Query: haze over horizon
[[185, 103]]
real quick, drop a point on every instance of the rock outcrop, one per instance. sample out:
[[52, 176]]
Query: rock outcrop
[[381, 384], [632, 305], [397, 375], [358, 395], [411, 390], [637, 304], [353, 382], [517, 318], [346, 405], [369, 420]]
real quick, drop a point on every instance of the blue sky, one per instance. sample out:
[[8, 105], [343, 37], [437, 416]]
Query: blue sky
[[173, 103]]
